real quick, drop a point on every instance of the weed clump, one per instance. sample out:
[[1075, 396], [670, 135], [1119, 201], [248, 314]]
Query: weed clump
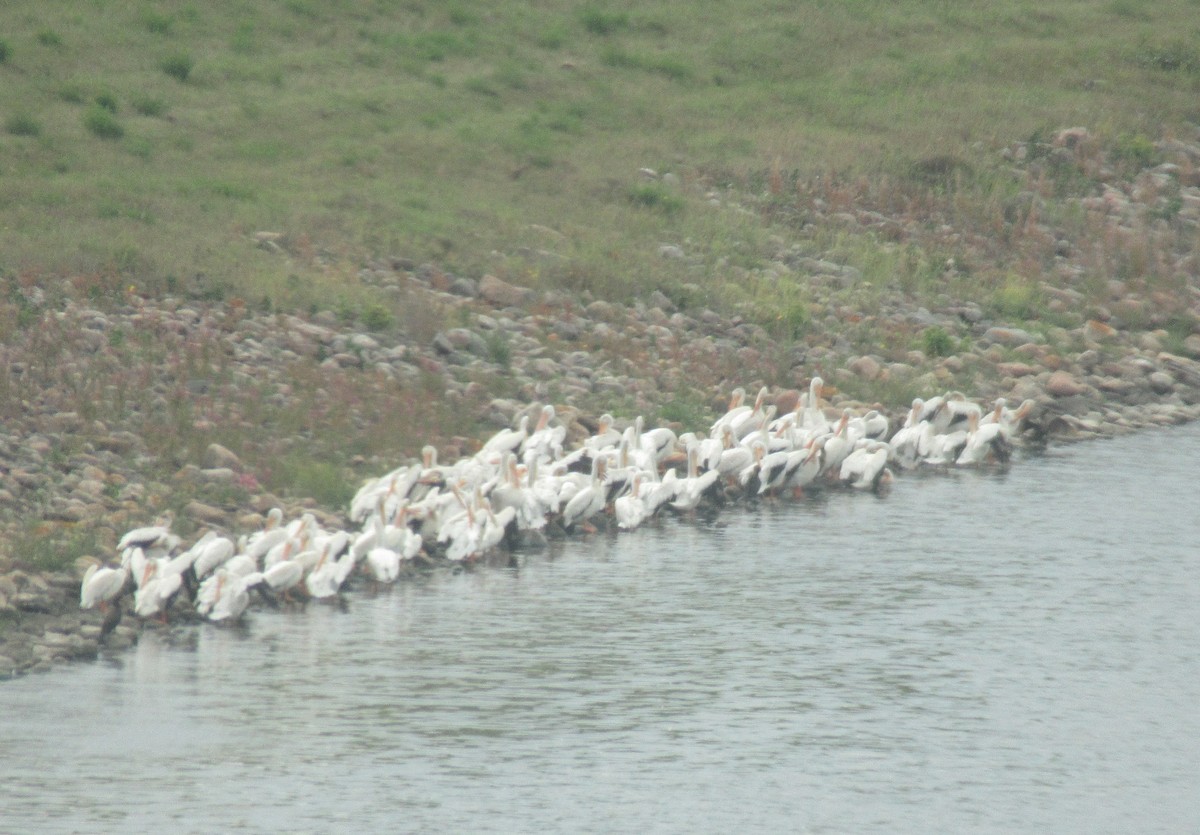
[[178, 66], [149, 106], [22, 124], [936, 342], [377, 318], [102, 123], [657, 197]]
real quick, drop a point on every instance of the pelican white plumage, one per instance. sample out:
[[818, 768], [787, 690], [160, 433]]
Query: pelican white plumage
[[101, 585], [506, 440], [383, 564], [605, 435], [737, 407], [630, 509], [984, 443], [838, 445], [589, 500], [211, 551], [696, 486], [865, 467], [232, 595], [156, 540]]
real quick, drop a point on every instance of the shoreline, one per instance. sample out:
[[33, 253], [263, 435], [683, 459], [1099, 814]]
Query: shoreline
[[39, 609]]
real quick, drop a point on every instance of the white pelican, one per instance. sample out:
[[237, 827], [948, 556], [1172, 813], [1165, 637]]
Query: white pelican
[[232, 595], [736, 409], [630, 508], [384, 564], [838, 445], [984, 443], [865, 467], [156, 540], [101, 585], [813, 420], [605, 435], [694, 488], [506, 440], [545, 441], [211, 551], [589, 500]]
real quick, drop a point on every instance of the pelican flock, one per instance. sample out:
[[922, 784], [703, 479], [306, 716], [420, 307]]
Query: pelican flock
[[525, 484]]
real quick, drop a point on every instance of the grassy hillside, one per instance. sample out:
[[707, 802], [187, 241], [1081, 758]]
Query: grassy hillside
[[153, 139]]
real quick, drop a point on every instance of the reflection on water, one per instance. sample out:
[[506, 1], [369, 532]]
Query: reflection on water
[[1013, 651]]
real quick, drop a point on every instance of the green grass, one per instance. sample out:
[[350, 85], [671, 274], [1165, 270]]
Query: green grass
[[447, 132]]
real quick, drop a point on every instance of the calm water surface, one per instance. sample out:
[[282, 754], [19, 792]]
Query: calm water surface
[[998, 652]]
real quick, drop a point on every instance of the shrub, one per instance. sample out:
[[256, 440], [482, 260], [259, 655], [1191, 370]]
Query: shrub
[[936, 342], [656, 196], [377, 318], [108, 101], [48, 37], [178, 66], [1135, 148], [72, 93], [3, 51], [22, 124], [149, 106], [601, 21], [103, 123], [156, 22]]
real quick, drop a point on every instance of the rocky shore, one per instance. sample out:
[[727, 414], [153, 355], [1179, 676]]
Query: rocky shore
[[117, 405]]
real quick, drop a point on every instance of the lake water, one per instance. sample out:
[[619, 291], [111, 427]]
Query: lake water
[[1008, 651]]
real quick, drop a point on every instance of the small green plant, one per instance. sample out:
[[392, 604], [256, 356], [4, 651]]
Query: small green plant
[[108, 101], [4, 51], [48, 547], [22, 124], [377, 318], [936, 342], [499, 348], [103, 123], [600, 21], [156, 22], [48, 37], [1136, 149], [178, 66], [1017, 299], [656, 196], [72, 93], [149, 105]]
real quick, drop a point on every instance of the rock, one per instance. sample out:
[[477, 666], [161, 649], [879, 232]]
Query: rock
[[1096, 331], [501, 293], [1011, 337], [1192, 345], [1063, 384], [670, 251], [865, 367], [218, 456], [1162, 382], [1015, 369], [205, 513]]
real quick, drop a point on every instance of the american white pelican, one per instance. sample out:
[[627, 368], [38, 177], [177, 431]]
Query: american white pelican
[[384, 564], [506, 440], [589, 500], [736, 409], [156, 540], [630, 509], [837, 445], [697, 485], [984, 443], [954, 413], [232, 595], [864, 468], [102, 585]]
